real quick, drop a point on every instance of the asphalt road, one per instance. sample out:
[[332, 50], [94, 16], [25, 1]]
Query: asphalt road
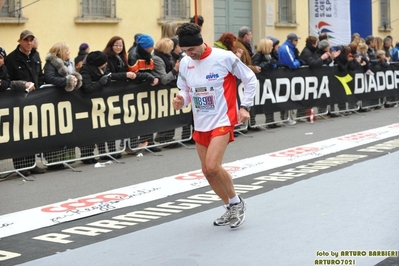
[[178, 230]]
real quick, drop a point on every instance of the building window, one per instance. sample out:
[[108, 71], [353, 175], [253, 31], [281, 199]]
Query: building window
[[286, 11], [11, 9], [385, 19], [176, 9], [99, 8]]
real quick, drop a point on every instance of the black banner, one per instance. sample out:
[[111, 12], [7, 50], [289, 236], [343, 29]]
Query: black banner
[[50, 118], [289, 89]]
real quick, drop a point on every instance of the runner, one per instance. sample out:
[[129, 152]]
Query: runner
[[207, 79]]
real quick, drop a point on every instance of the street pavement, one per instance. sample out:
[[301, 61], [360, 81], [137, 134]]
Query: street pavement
[[344, 212]]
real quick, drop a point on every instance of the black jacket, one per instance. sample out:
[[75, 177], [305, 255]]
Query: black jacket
[[311, 56], [22, 67], [5, 79], [91, 76], [264, 61]]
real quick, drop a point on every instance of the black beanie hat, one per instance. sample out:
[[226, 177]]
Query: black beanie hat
[[96, 58], [3, 52]]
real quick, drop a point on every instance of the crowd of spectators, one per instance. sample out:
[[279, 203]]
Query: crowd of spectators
[[147, 61]]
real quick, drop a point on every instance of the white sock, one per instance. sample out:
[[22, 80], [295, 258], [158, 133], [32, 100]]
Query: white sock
[[234, 200]]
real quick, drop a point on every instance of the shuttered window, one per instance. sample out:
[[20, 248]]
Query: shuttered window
[[176, 9], [385, 16], [286, 11], [99, 8], [11, 9]]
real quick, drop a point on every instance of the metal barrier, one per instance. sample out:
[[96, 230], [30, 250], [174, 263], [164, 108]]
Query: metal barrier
[[68, 156], [284, 118], [371, 104], [168, 137], [11, 166]]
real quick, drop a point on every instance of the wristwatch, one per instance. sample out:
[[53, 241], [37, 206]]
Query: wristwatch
[[248, 108]]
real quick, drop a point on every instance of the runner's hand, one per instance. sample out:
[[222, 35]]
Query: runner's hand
[[243, 115], [178, 102]]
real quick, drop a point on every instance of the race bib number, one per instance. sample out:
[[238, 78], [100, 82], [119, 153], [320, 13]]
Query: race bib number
[[204, 101]]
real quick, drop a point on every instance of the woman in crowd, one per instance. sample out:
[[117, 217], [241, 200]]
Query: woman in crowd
[[60, 71], [118, 66], [167, 71], [264, 60]]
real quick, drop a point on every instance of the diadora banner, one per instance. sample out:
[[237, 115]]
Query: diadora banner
[[50, 118], [289, 89]]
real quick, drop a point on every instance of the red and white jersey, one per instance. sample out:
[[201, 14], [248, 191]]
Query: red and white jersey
[[210, 85]]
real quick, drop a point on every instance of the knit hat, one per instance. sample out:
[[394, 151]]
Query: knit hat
[[274, 40], [3, 52], [83, 46], [145, 41], [96, 58], [25, 34], [323, 44]]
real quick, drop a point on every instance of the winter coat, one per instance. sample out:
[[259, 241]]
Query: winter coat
[[246, 56], [264, 61], [7, 83], [164, 67], [91, 76], [56, 73], [26, 68], [286, 55], [311, 56]]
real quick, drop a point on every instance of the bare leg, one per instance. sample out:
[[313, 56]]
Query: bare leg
[[211, 161]]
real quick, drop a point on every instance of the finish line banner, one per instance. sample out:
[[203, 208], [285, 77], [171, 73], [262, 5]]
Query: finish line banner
[[51, 119]]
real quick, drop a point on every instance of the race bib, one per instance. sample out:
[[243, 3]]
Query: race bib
[[204, 100]]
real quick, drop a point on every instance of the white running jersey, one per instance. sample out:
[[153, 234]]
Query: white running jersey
[[210, 85]]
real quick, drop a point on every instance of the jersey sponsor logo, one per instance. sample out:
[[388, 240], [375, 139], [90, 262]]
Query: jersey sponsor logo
[[212, 76], [190, 67]]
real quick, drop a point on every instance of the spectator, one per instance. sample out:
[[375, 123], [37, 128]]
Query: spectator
[[286, 53], [387, 47], [276, 46], [60, 71], [264, 60], [395, 53], [167, 71], [287, 56], [5, 81], [199, 20], [95, 77], [140, 60], [364, 59], [24, 64], [382, 59], [168, 29], [379, 43], [84, 50], [244, 43], [227, 41], [117, 65]]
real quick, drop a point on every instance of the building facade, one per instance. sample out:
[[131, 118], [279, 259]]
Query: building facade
[[96, 21]]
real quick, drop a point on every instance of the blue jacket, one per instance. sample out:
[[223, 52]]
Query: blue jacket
[[395, 54], [286, 55]]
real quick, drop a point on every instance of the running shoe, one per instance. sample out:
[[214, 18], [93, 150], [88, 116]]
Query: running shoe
[[237, 213]]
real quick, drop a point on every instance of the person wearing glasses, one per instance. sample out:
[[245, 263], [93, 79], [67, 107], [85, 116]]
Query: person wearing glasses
[[286, 52]]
